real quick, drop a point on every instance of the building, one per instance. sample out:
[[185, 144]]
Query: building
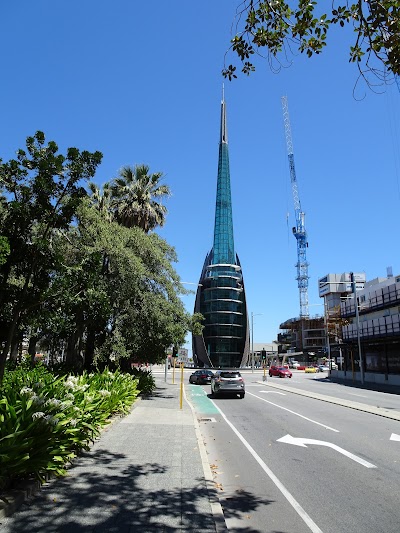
[[334, 289], [304, 335], [220, 296], [270, 349], [376, 329]]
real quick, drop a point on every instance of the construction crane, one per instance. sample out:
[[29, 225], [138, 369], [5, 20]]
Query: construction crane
[[299, 231]]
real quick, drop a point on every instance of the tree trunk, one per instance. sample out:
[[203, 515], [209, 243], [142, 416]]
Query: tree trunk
[[14, 348], [89, 349], [7, 346], [73, 355], [32, 348], [72, 352]]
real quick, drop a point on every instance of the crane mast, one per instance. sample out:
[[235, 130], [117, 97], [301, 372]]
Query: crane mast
[[299, 231]]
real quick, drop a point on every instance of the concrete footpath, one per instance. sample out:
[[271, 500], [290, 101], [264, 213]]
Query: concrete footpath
[[148, 472]]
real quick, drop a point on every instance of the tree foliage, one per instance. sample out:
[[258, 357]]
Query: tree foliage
[[278, 28], [135, 197], [81, 272], [40, 192]]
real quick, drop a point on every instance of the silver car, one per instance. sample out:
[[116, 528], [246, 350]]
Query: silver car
[[227, 382]]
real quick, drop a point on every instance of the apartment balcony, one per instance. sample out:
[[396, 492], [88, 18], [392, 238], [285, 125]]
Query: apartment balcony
[[386, 326], [380, 299]]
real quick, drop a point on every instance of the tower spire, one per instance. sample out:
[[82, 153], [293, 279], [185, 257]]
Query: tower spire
[[224, 130], [223, 249]]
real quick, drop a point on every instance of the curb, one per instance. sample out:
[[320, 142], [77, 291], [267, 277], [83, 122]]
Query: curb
[[13, 499]]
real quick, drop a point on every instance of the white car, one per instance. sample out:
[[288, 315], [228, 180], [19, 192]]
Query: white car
[[294, 364], [331, 364]]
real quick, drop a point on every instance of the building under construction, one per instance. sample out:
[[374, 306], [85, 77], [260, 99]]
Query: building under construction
[[303, 335]]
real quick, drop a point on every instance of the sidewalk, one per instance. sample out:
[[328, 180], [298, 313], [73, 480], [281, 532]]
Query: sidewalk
[[148, 472]]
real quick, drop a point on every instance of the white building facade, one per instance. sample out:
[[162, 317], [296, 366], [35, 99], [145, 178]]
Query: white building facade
[[378, 327]]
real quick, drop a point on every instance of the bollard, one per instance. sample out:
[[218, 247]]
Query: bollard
[[181, 395]]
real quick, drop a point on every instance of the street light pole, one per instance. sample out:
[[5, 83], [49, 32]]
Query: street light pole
[[328, 345], [252, 338], [358, 327], [252, 341]]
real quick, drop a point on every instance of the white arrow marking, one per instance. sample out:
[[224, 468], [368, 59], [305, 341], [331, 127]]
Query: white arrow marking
[[272, 392], [300, 441], [394, 437]]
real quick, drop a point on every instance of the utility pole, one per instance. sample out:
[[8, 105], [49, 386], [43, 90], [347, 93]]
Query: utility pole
[[358, 327]]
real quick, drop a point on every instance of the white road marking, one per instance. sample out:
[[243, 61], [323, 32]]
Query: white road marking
[[293, 502], [271, 392], [359, 395], [394, 437], [294, 413], [300, 441]]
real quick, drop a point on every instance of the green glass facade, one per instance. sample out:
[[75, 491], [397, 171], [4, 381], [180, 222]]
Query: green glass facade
[[220, 296]]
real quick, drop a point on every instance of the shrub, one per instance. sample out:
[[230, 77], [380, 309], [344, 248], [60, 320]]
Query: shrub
[[146, 381], [45, 420]]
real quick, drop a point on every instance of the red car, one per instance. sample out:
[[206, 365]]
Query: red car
[[280, 371]]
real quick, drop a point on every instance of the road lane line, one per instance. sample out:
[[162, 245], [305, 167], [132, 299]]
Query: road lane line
[[271, 392], [294, 413], [292, 501]]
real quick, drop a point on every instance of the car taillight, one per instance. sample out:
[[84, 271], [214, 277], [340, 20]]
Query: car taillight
[[240, 379]]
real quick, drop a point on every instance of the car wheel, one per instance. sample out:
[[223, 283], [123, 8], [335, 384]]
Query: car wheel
[[270, 375], [290, 376], [241, 395]]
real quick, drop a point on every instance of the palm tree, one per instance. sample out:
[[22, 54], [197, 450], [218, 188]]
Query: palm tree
[[134, 193], [100, 198]]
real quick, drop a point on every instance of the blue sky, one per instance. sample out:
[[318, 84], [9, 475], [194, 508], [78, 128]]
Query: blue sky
[[141, 82]]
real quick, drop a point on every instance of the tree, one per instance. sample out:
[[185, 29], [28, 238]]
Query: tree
[[116, 297], [134, 198], [100, 198], [275, 27], [41, 191]]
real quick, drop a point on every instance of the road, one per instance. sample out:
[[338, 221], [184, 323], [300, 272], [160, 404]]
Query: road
[[286, 462]]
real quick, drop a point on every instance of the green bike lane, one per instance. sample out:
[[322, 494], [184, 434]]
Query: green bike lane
[[198, 397]]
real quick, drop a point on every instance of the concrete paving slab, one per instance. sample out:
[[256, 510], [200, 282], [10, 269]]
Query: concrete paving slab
[[147, 472]]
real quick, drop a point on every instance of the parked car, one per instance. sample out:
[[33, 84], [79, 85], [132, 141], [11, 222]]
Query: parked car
[[294, 364], [323, 368], [332, 365], [310, 369], [227, 381], [280, 371], [201, 377]]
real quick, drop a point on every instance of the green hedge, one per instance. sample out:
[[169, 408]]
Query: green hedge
[[45, 420]]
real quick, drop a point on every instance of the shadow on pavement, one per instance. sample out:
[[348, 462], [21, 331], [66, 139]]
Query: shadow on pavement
[[121, 497], [377, 387]]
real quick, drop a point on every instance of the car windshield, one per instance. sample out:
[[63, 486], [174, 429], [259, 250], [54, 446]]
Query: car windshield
[[230, 375], [283, 368]]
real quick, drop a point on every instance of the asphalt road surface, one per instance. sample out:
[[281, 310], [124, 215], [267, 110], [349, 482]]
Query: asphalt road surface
[[287, 463]]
